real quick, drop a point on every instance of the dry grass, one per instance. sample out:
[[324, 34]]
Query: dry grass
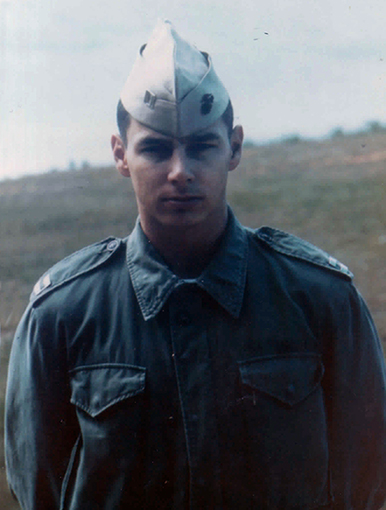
[[331, 193]]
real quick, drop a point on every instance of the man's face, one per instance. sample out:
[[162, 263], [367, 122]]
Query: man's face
[[180, 182]]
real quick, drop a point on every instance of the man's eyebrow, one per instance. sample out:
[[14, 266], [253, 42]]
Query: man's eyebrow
[[206, 137], [153, 140]]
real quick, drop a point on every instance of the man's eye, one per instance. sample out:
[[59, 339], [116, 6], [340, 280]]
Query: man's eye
[[157, 151], [199, 148]]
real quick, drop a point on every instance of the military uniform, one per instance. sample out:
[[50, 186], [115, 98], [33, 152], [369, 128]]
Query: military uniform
[[258, 385]]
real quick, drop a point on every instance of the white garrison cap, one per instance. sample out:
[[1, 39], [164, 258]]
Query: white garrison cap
[[173, 88]]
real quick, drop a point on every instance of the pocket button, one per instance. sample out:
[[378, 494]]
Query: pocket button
[[290, 390], [171, 422]]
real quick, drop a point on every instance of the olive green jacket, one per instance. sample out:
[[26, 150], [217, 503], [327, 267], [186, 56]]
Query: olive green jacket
[[258, 385]]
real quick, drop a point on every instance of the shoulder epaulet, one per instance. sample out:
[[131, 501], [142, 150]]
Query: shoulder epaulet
[[293, 246], [75, 265]]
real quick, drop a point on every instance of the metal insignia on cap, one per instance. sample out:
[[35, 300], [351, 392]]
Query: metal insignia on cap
[[206, 103], [150, 99]]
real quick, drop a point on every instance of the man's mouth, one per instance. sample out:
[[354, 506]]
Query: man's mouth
[[182, 202], [181, 199]]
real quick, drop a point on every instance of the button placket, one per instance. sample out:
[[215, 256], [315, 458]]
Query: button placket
[[192, 363]]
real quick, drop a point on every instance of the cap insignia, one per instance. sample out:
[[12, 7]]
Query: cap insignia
[[150, 99], [206, 103]]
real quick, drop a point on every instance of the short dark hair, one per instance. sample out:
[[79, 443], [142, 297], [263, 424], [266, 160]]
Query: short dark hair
[[227, 118], [123, 120]]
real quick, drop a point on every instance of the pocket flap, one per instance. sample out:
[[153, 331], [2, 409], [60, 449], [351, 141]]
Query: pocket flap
[[94, 388], [289, 378]]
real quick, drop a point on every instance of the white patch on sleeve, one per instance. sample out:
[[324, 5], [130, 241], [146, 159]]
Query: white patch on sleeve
[[338, 265], [42, 284]]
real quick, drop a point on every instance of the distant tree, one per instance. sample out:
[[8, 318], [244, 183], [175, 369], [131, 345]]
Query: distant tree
[[72, 165], [85, 165], [375, 126], [337, 133], [292, 139]]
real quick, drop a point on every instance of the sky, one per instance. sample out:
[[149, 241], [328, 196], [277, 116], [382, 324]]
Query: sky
[[301, 67]]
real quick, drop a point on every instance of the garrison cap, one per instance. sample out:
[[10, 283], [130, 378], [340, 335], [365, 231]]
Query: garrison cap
[[173, 88]]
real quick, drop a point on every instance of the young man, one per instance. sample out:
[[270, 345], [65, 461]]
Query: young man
[[196, 364]]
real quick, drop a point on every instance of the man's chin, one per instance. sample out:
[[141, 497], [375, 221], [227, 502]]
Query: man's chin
[[183, 219]]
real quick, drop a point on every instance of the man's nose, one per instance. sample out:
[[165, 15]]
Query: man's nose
[[181, 169]]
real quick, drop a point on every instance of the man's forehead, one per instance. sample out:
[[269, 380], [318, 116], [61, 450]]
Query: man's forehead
[[139, 133], [173, 87]]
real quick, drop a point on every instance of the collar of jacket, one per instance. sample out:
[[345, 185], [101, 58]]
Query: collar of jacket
[[224, 277]]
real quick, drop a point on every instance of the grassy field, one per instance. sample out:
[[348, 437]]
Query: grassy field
[[330, 192]]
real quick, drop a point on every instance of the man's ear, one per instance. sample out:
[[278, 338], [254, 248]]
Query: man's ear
[[119, 151], [236, 146]]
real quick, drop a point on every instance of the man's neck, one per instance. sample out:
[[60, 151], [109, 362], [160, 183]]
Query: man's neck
[[187, 250]]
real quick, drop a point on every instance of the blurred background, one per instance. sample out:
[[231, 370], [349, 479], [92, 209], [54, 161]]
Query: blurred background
[[307, 80]]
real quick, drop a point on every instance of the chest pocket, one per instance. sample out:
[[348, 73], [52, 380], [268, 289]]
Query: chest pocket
[[289, 379], [97, 388], [281, 401], [109, 400]]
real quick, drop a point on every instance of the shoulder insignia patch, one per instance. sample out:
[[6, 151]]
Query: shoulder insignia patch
[[293, 246], [75, 265], [41, 284]]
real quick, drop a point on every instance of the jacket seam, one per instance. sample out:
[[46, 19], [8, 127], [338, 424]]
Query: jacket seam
[[101, 366], [89, 410]]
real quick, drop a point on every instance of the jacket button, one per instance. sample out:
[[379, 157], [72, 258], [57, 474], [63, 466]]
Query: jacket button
[[112, 245], [171, 421]]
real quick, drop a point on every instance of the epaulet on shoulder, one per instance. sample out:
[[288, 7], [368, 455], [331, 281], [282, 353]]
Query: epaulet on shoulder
[[75, 265], [293, 246]]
